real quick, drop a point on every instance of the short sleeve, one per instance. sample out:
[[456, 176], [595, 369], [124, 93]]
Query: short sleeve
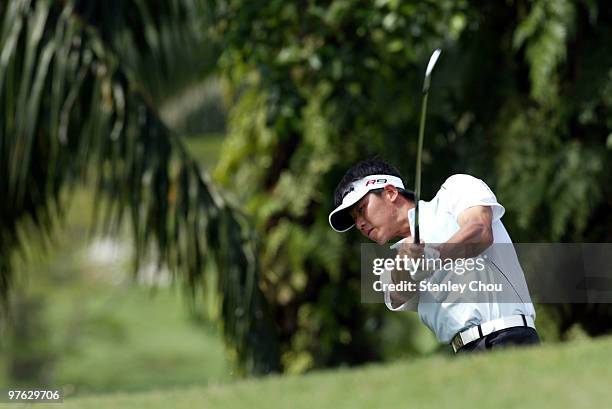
[[410, 305], [461, 192]]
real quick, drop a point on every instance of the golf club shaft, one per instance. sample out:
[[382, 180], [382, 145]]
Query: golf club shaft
[[417, 179]]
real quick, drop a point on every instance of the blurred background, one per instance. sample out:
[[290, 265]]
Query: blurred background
[[167, 168]]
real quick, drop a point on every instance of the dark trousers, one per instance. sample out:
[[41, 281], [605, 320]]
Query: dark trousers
[[509, 337]]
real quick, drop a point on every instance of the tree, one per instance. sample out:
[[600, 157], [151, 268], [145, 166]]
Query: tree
[[80, 82], [521, 98]]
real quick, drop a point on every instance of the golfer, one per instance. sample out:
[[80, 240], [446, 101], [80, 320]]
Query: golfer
[[463, 220]]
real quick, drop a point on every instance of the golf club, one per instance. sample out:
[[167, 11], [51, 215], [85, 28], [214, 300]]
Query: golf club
[[417, 180]]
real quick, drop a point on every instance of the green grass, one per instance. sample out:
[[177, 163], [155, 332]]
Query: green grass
[[133, 340], [572, 375]]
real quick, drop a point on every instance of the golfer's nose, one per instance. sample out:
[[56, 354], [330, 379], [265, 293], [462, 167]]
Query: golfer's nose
[[360, 223]]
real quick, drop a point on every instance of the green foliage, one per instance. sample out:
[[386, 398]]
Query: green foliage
[[522, 97], [74, 108], [313, 86], [551, 156], [319, 86], [555, 175], [545, 32]]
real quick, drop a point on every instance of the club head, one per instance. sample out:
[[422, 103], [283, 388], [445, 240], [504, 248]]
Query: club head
[[430, 66]]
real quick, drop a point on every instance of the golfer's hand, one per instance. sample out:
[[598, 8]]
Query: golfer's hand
[[397, 276], [411, 249], [415, 252]]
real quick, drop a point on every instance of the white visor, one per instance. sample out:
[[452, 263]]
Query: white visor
[[340, 220]]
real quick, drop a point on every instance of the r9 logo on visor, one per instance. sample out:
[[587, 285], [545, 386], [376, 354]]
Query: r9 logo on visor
[[375, 181]]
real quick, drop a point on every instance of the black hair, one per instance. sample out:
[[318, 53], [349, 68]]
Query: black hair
[[365, 168]]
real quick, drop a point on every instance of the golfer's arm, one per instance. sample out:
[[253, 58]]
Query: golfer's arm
[[474, 236]]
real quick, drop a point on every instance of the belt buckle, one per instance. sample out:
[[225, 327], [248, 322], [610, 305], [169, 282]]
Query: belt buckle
[[457, 342]]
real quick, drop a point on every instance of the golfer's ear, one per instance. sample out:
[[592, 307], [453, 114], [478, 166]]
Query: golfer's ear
[[391, 192]]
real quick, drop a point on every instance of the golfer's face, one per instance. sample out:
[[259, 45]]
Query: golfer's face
[[374, 217]]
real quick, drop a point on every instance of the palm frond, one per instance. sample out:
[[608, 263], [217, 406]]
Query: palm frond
[[74, 107]]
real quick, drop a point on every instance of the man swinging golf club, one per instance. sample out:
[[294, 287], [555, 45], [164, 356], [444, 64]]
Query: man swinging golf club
[[464, 218]]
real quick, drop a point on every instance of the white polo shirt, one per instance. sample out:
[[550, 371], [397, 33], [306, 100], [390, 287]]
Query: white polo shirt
[[437, 223]]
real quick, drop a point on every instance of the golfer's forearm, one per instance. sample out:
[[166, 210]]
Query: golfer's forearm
[[469, 241]]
